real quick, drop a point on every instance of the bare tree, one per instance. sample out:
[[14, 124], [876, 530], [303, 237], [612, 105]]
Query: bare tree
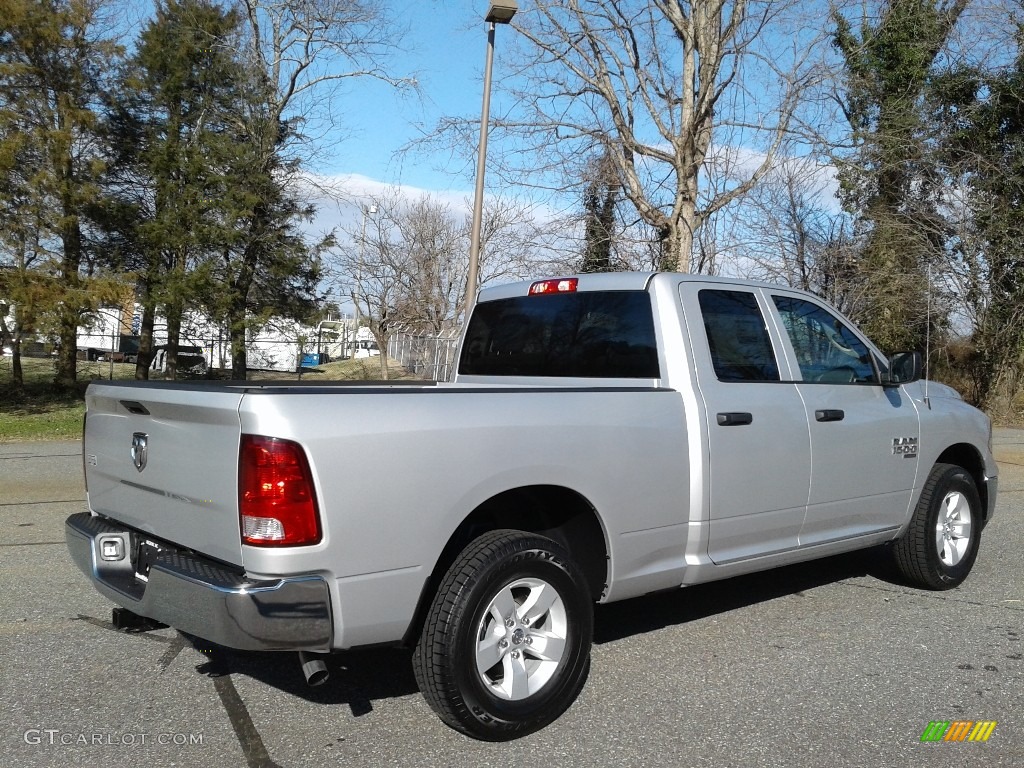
[[302, 49], [655, 87], [788, 228], [429, 242], [513, 242], [405, 265]]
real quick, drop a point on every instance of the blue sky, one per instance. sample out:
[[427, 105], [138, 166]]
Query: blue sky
[[445, 47]]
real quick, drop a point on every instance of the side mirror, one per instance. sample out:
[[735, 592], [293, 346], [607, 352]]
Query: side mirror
[[904, 368]]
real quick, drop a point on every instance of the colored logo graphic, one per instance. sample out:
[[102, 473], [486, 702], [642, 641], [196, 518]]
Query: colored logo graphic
[[958, 730]]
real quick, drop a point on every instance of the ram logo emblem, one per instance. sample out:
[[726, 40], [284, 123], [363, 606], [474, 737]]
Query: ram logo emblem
[[140, 450]]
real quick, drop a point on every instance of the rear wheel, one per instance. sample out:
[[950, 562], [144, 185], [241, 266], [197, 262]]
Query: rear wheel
[[506, 646], [939, 548]]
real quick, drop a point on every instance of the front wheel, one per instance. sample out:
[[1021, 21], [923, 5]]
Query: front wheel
[[505, 649], [939, 548]]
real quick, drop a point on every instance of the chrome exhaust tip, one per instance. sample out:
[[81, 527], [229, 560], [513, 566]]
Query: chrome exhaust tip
[[314, 668]]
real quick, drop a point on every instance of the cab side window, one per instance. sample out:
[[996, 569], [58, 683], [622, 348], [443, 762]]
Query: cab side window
[[826, 350], [741, 349]]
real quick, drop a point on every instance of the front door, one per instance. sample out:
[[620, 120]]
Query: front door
[[863, 436]]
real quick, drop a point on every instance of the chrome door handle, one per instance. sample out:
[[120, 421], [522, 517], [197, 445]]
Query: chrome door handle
[[734, 419], [829, 414]]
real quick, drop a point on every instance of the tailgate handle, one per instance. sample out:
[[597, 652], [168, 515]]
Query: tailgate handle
[[133, 406], [829, 414], [734, 419]]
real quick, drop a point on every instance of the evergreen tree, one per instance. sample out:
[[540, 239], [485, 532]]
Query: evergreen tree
[[53, 67], [216, 226], [264, 266], [172, 132], [891, 184], [983, 113], [599, 202]]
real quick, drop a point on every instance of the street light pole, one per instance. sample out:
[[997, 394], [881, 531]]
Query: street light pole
[[500, 12], [368, 211]]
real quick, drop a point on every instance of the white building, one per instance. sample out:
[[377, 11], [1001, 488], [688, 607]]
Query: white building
[[275, 346]]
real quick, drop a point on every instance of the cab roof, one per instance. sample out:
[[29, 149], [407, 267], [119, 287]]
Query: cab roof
[[612, 281]]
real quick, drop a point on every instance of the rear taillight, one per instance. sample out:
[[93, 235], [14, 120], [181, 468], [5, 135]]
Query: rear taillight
[[276, 502]]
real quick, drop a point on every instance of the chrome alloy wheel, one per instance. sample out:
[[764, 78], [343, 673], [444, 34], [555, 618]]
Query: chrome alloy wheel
[[953, 528], [521, 639]]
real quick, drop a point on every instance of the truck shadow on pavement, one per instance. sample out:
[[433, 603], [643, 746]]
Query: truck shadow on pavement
[[678, 606], [360, 677], [357, 678]]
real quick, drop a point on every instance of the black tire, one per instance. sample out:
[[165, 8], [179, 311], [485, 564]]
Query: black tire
[[532, 582], [939, 548]]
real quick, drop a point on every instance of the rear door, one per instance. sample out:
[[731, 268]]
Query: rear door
[[164, 459], [863, 436], [759, 449]]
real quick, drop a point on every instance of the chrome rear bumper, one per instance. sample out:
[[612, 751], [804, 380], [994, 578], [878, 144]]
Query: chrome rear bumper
[[200, 596]]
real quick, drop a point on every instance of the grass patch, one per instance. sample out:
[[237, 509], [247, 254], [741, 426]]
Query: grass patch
[[42, 418], [361, 369], [40, 411]]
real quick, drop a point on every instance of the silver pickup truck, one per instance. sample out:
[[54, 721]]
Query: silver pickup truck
[[605, 436]]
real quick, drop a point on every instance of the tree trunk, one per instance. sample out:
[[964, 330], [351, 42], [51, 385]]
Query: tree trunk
[[67, 353], [238, 305], [382, 343], [676, 245], [236, 334], [17, 374], [145, 358], [174, 312], [67, 334], [239, 357]]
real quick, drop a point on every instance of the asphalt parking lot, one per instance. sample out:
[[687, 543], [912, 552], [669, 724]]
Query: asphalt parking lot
[[831, 663]]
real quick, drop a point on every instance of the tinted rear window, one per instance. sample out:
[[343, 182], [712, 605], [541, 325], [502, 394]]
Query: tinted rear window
[[740, 347], [605, 334]]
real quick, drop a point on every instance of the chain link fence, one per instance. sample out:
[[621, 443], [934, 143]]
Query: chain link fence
[[425, 355]]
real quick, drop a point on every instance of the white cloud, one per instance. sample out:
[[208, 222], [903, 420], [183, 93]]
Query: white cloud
[[817, 180], [340, 199]]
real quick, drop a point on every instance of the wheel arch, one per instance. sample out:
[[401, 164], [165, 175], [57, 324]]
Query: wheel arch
[[967, 456], [554, 511]]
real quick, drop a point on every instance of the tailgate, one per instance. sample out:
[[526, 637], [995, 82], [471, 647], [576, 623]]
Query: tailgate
[[164, 459]]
